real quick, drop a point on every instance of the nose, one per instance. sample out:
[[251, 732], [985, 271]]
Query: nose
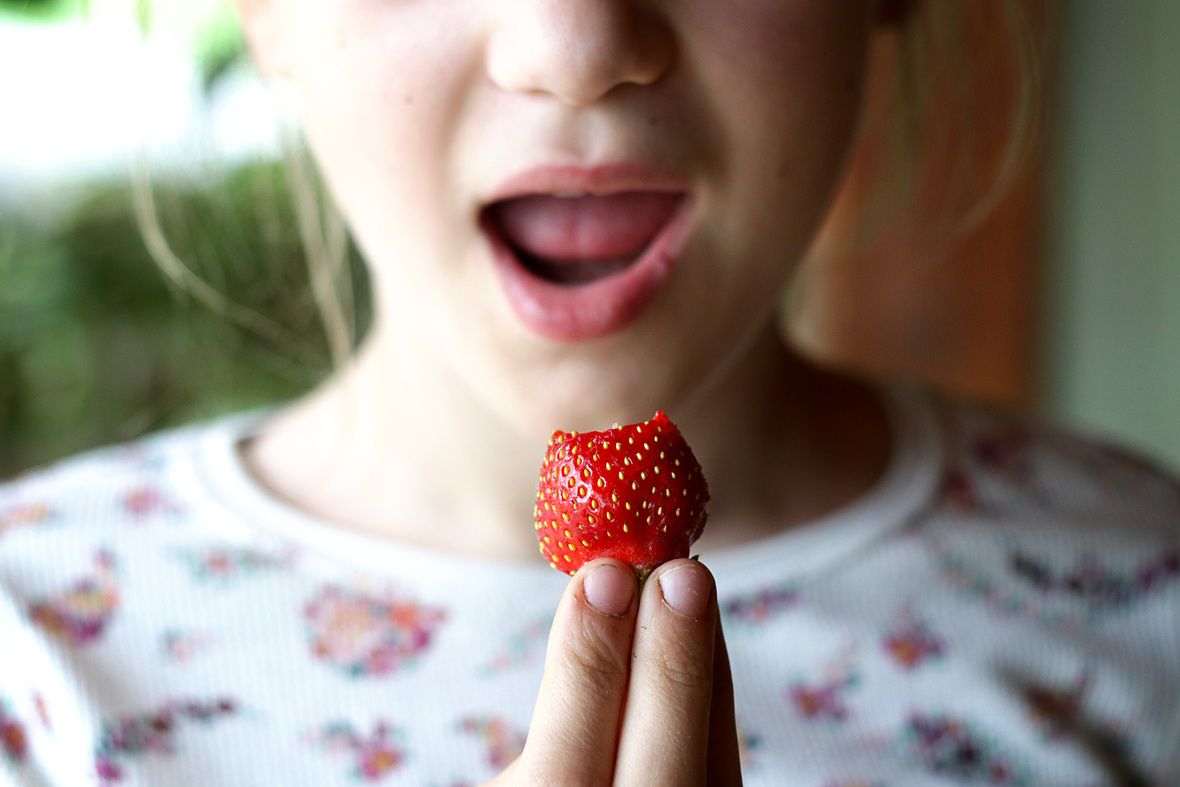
[[577, 51]]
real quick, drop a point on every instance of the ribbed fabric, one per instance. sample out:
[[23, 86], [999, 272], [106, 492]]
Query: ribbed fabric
[[1002, 608]]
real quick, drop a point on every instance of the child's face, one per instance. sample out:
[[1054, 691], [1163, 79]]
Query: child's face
[[732, 119]]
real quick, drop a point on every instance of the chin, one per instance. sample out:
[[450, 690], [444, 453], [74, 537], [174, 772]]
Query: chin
[[574, 392]]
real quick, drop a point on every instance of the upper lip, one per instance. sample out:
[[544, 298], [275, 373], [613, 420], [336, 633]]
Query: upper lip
[[607, 178]]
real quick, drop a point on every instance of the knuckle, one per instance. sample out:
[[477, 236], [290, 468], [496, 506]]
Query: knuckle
[[598, 665], [684, 669]]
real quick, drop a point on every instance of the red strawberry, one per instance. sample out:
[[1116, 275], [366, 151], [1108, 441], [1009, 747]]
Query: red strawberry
[[635, 493]]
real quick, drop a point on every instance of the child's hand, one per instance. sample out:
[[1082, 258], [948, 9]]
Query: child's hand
[[633, 694]]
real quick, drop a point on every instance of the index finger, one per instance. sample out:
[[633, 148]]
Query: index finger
[[574, 732]]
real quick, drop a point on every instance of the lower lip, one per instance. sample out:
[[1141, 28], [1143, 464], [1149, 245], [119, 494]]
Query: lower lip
[[566, 313]]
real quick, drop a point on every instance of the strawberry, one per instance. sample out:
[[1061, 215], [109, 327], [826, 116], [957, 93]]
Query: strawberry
[[635, 493]]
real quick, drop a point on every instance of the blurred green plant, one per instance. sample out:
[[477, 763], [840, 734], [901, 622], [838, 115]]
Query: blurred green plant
[[43, 10], [96, 346]]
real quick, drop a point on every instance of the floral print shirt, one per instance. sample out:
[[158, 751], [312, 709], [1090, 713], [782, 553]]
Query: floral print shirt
[[1002, 609]]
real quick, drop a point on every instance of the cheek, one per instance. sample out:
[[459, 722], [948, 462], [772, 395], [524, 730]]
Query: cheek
[[789, 80], [788, 84], [795, 78], [380, 94]]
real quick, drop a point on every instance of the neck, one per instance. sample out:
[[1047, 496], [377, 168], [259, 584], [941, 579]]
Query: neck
[[396, 446], [782, 443]]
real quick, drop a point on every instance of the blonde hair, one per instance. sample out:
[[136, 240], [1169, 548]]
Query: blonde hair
[[930, 64], [293, 198]]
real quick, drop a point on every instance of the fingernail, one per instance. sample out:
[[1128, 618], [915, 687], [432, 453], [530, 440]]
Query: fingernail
[[687, 589], [608, 589]]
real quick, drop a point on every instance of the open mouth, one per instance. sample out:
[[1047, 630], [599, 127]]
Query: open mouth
[[576, 266], [578, 239]]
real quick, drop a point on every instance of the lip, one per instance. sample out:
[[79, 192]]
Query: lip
[[566, 313], [600, 179]]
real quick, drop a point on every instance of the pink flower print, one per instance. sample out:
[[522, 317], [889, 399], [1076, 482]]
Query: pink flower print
[[819, 702], [368, 635], [31, 514], [825, 699], [911, 642], [1090, 582], [80, 615], [502, 742], [959, 490], [525, 647], [14, 741], [147, 499], [224, 564], [42, 711], [373, 757], [1004, 451], [749, 745], [108, 772], [996, 451], [179, 647], [152, 733], [762, 606], [954, 749]]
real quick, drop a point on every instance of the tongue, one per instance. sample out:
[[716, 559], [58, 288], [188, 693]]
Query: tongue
[[588, 228]]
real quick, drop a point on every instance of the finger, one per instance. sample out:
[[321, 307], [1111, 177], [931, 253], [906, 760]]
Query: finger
[[665, 734], [725, 762], [574, 731]]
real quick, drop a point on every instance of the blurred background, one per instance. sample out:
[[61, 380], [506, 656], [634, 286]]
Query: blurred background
[[1064, 302], [102, 102]]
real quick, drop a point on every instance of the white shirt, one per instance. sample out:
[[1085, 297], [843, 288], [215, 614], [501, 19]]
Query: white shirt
[[1003, 608]]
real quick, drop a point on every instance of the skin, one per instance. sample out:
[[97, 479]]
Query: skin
[[633, 693], [417, 111]]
